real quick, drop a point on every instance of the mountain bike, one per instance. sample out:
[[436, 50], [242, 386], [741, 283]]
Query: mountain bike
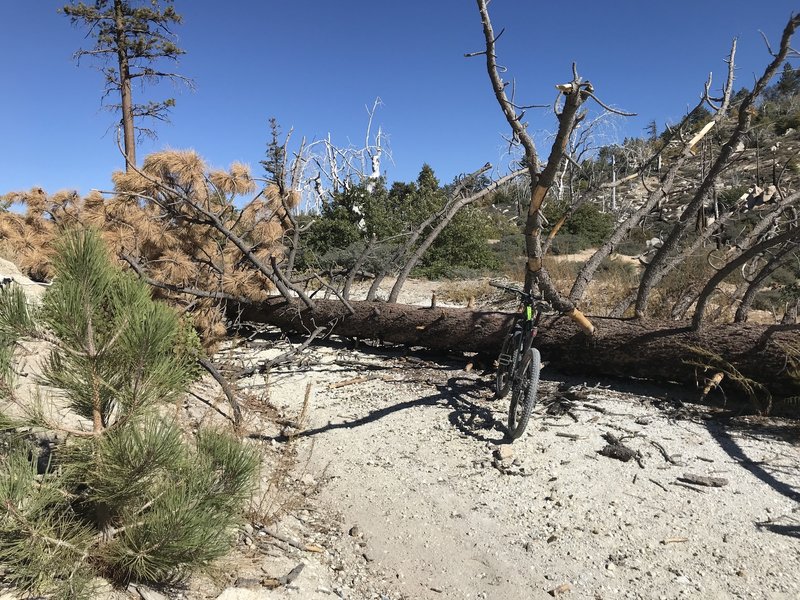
[[519, 363]]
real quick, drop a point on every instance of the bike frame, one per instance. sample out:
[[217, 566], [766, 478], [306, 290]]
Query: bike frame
[[527, 323]]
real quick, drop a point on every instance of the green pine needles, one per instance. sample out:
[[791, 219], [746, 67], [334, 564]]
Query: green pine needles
[[125, 493]]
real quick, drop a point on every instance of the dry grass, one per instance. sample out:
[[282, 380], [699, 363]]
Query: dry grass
[[562, 272], [281, 491], [461, 292], [614, 281]]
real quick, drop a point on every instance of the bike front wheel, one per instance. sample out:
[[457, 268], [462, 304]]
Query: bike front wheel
[[524, 385]]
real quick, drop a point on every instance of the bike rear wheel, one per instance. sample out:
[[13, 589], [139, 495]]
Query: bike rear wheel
[[506, 364], [525, 384]]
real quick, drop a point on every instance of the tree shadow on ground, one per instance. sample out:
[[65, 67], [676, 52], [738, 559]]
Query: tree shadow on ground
[[762, 470], [465, 396], [781, 529]]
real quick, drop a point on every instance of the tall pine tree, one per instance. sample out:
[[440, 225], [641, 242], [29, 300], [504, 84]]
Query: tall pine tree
[[132, 40]]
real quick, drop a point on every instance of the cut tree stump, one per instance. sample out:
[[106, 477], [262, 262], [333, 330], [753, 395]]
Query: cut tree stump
[[653, 350]]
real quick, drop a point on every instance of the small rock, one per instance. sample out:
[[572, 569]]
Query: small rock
[[355, 531], [561, 589], [147, 593], [504, 452], [308, 479], [293, 574]]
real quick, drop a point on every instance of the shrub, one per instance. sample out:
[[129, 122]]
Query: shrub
[[460, 246], [592, 224], [588, 227], [126, 495], [635, 242], [508, 252], [569, 243]]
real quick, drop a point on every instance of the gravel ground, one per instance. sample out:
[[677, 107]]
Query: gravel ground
[[431, 503], [403, 487]]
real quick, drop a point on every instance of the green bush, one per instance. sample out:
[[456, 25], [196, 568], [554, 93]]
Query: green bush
[[341, 230], [569, 243], [508, 249], [588, 227], [123, 494], [461, 248], [635, 242], [590, 223], [730, 196]]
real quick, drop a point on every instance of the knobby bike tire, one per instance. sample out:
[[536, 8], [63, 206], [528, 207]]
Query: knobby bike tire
[[506, 364], [525, 384]]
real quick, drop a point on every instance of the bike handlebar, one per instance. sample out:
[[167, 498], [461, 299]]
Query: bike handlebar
[[522, 294]]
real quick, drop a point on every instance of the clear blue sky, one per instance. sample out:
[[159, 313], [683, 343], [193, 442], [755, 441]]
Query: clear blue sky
[[315, 64]]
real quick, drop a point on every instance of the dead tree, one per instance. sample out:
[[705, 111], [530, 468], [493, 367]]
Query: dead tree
[[653, 350], [445, 216], [656, 196], [790, 237], [574, 94], [656, 265], [759, 231], [775, 260]]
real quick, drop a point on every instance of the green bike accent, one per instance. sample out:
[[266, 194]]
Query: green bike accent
[[528, 313]]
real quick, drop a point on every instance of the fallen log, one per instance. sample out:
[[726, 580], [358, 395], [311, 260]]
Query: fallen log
[[653, 350]]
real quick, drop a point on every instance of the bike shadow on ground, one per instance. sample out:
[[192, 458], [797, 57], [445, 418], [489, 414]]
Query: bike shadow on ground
[[474, 409], [467, 398]]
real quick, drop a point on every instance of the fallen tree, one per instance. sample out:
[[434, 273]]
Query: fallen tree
[[763, 361]]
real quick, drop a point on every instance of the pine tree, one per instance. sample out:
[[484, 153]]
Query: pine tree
[[789, 82], [124, 495], [132, 38]]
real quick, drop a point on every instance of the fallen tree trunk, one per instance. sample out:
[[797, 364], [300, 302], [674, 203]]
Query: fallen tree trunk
[[653, 350]]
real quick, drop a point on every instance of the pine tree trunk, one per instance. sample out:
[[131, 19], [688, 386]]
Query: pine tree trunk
[[126, 98], [658, 351]]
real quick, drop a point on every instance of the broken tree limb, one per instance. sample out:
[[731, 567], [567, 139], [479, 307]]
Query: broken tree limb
[[664, 453], [703, 480], [653, 350], [226, 387]]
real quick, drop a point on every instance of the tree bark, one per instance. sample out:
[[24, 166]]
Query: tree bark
[[126, 96], [657, 351]]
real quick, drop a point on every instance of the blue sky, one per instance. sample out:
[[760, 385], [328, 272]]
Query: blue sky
[[314, 65]]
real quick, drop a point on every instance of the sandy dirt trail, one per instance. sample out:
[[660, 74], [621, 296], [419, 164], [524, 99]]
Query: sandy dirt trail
[[411, 457]]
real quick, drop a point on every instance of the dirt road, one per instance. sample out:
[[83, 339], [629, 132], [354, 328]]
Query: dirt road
[[409, 454]]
